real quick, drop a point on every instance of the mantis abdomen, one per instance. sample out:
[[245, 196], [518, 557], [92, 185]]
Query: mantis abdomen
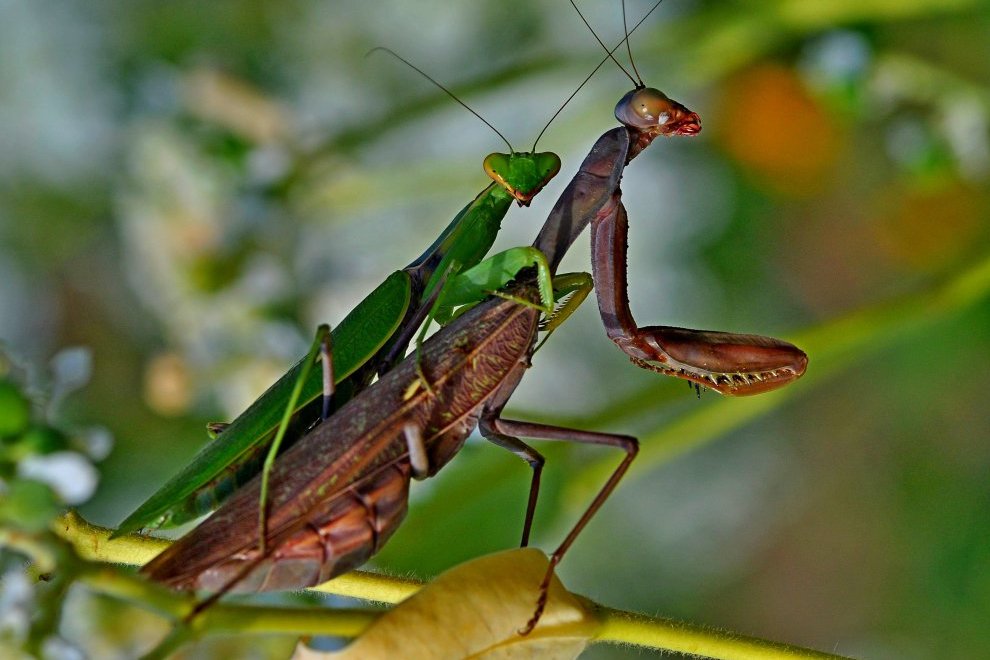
[[341, 490]]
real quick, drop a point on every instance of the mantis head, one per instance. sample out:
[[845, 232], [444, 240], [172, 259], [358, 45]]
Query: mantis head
[[523, 175], [648, 110]]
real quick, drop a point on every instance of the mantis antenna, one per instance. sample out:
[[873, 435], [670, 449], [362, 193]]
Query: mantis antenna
[[445, 90], [625, 29], [639, 85]]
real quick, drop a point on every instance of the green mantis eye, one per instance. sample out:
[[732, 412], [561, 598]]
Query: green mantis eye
[[497, 167], [547, 165]]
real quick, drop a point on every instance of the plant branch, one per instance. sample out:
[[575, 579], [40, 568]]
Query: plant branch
[[616, 626], [93, 542], [623, 627]]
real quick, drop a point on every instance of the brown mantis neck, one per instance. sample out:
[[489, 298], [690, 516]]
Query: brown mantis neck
[[586, 195]]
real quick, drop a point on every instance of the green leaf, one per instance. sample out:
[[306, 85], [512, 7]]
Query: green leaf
[[15, 410], [28, 505]]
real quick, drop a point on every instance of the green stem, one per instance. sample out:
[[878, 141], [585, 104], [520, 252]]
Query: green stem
[[617, 626], [93, 543], [223, 618], [679, 637]]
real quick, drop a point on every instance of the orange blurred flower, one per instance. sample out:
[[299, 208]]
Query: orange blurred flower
[[929, 227], [769, 123]]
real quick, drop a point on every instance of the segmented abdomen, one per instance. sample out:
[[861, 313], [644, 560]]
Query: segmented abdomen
[[344, 536]]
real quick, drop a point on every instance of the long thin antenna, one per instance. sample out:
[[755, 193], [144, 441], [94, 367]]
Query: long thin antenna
[[445, 90], [602, 43], [595, 70], [564, 104], [625, 29]]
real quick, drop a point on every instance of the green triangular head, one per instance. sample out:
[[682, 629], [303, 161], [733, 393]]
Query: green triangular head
[[522, 174]]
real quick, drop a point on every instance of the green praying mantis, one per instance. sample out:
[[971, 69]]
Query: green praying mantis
[[369, 339], [449, 275]]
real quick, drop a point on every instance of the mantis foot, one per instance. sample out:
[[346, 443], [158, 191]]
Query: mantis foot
[[541, 602]]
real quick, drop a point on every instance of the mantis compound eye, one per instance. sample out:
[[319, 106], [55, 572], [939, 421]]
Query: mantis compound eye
[[649, 109], [547, 165]]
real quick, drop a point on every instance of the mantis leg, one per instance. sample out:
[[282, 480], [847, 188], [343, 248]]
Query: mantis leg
[[409, 327], [429, 306], [729, 363], [626, 443], [504, 432], [214, 429], [490, 276], [493, 431], [322, 344], [417, 450], [462, 290], [570, 289]]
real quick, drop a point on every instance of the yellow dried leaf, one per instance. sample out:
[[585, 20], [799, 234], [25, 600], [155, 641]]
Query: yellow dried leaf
[[475, 610]]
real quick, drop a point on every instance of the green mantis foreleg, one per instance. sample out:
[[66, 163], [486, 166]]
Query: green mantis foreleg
[[470, 287], [490, 276]]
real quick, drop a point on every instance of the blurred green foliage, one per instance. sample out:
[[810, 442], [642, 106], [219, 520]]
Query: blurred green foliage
[[188, 189]]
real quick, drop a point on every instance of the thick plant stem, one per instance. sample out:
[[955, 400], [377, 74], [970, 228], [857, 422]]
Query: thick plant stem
[[676, 636], [93, 542], [617, 626]]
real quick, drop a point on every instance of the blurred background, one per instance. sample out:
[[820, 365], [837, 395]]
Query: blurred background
[[187, 189]]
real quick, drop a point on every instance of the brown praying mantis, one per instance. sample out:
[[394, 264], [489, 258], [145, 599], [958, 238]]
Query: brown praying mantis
[[340, 492]]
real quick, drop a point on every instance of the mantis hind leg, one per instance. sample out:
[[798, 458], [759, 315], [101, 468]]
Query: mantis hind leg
[[322, 345], [535, 459], [509, 429]]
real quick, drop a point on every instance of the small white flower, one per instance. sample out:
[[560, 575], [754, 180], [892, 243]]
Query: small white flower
[[97, 441], [16, 604], [67, 472], [71, 369], [58, 648]]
